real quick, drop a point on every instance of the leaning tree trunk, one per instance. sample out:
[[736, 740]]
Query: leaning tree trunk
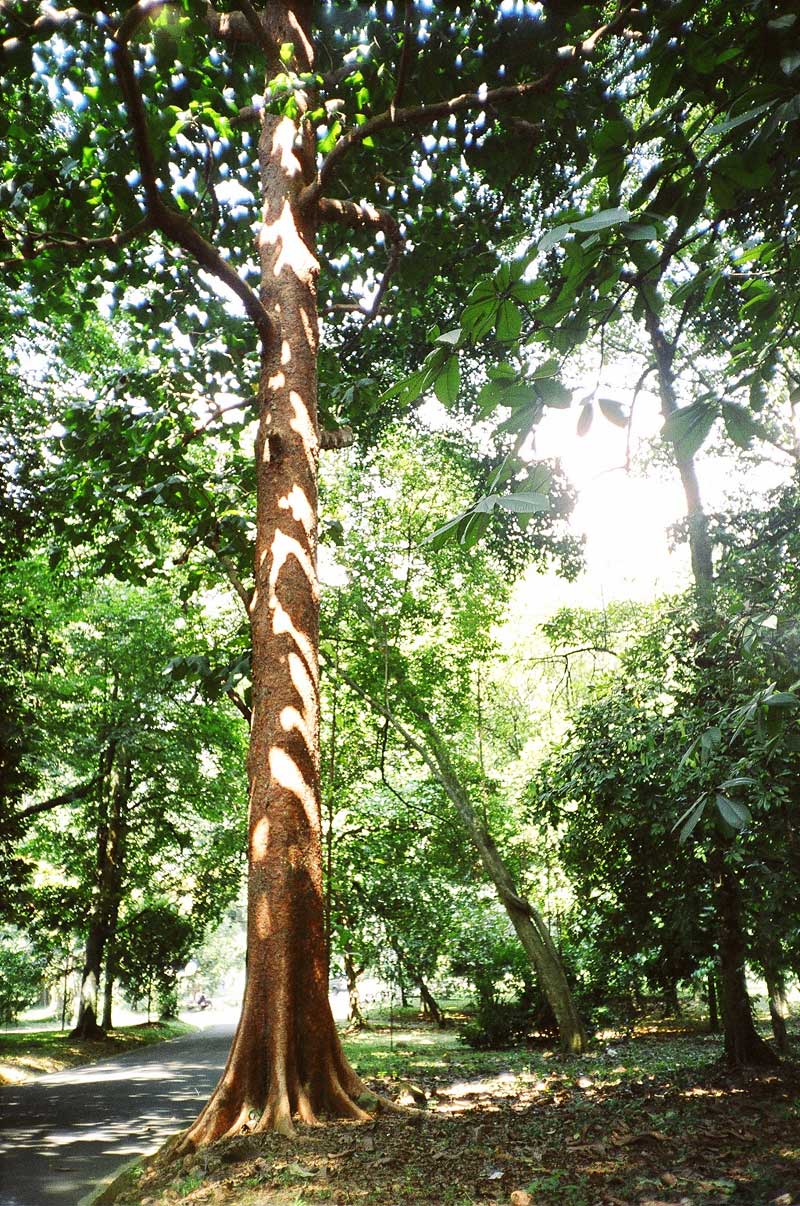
[[530, 926], [110, 856], [286, 1060]]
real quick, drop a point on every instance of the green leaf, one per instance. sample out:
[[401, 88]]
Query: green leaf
[[451, 338], [448, 383], [554, 236], [287, 52], [603, 219], [548, 368], [740, 424], [782, 699], [585, 418], [553, 393], [689, 819], [509, 321], [737, 815], [523, 502], [740, 119], [613, 411], [687, 428]]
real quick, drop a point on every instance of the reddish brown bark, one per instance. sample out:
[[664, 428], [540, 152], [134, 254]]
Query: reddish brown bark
[[286, 1060]]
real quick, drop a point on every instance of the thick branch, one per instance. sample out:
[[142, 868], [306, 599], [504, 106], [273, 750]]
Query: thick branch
[[172, 224], [68, 797], [424, 115]]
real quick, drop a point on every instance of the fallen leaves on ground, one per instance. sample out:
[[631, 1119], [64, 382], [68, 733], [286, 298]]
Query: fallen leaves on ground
[[633, 1128]]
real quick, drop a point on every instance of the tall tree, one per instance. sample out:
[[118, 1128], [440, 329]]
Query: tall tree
[[79, 161]]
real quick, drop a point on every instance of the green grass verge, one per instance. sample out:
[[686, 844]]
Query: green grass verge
[[25, 1055]]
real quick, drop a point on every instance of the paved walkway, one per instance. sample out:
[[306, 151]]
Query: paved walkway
[[64, 1133]]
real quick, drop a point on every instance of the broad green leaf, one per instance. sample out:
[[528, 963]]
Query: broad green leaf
[[613, 411], [737, 815], [548, 368], [523, 502], [554, 393], [554, 236], [740, 119], [509, 321], [603, 219], [448, 383], [689, 819], [782, 699], [687, 428], [740, 424]]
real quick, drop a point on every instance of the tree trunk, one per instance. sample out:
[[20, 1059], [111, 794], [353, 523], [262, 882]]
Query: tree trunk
[[355, 1017], [713, 1011], [526, 920], [528, 923], [286, 1060], [743, 1045], [778, 1007], [110, 860], [699, 540], [431, 1010]]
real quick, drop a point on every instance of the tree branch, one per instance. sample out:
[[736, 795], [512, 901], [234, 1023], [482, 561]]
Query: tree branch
[[51, 21], [360, 216], [218, 412], [162, 217], [402, 70], [231, 572], [239, 703], [568, 58], [68, 797]]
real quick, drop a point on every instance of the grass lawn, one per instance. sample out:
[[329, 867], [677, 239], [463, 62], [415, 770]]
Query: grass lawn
[[653, 1119], [25, 1054]]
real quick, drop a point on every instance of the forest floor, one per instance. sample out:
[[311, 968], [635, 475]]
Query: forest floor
[[652, 1118], [26, 1054]]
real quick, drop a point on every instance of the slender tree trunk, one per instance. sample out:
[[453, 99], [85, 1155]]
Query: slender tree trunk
[[527, 921], [401, 985], [778, 1009], [699, 540], [743, 1045], [286, 1060], [355, 1017], [525, 918], [713, 1010], [430, 1006], [110, 976], [110, 856]]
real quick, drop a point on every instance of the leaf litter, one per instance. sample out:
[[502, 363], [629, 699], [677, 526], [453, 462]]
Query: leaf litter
[[656, 1120]]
